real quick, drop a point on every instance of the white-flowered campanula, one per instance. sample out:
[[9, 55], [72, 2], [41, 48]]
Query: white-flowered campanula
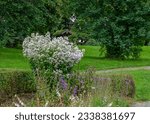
[[58, 52]]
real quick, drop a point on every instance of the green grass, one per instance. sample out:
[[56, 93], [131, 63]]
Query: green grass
[[93, 59], [13, 58], [142, 82]]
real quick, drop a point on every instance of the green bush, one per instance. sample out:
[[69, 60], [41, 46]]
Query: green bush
[[88, 88], [15, 81]]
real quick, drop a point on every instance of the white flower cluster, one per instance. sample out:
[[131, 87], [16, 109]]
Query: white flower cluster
[[58, 52]]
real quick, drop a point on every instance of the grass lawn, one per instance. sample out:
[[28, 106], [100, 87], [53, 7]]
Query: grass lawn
[[93, 59], [142, 82], [13, 58]]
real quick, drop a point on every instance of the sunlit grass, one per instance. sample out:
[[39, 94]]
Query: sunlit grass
[[13, 58]]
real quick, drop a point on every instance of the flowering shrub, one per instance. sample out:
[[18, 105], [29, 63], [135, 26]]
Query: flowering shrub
[[57, 54], [51, 59]]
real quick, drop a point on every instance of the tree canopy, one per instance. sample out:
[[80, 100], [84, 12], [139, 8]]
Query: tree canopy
[[19, 18], [121, 26]]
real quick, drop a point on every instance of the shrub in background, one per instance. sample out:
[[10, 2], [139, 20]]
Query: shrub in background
[[122, 85]]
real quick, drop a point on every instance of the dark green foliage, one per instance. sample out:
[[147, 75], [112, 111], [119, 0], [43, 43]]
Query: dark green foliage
[[15, 81], [119, 25], [19, 18]]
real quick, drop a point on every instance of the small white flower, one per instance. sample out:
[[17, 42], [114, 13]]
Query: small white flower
[[57, 52]]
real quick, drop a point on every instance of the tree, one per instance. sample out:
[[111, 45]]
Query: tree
[[120, 26], [19, 18]]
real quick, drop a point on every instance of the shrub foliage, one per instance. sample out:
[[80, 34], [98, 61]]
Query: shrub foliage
[[15, 81]]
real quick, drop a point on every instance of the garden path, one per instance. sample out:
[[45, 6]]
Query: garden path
[[123, 69]]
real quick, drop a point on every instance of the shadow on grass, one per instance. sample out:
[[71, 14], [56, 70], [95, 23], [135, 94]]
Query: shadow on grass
[[116, 59]]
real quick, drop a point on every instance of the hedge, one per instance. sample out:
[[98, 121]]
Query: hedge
[[121, 85], [20, 81], [15, 81]]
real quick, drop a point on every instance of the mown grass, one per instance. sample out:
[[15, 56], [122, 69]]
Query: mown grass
[[13, 58], [142, 82], [92, 58]]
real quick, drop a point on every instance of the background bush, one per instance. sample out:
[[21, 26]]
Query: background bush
[[15, 81]]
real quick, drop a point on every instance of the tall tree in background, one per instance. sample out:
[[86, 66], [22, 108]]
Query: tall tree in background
[[19, 18], [121, 26]]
